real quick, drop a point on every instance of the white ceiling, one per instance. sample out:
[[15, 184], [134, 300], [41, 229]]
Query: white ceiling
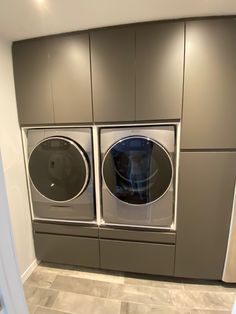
[[20, 19]]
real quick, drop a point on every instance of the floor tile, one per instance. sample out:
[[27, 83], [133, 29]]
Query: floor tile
[[45, 310], [83, 304], [81, 272], [209, 312], [134, 308], [140, 294], [153, 281], [40, 296], [31, 308], [41, 278], [82, 286], [202, 300]]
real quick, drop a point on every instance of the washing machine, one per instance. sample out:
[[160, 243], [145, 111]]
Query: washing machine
[[138, 176], [60, 173]]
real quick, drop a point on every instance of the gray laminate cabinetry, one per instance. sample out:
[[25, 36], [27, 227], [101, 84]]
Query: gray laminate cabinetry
[[52, 78], [64, 249], [209, 94], [149, 258], [32, 82], [206, 187], [70, 74], [159, 71], [113, 74]]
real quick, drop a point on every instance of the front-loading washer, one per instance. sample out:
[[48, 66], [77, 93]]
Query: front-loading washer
[[60, 173], [138, 175]]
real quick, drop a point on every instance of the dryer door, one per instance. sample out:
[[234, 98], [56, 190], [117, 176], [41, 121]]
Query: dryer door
[[137, 170], [59, 169]]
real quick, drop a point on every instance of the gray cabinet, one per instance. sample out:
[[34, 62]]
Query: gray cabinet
[[70, 75], [139, 257], [32, 81], [64, 249], [113, 74], [209, 94], [206, 188], [159, 71], [52, 78]]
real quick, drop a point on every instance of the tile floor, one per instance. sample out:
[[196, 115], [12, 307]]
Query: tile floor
[[56, 289]]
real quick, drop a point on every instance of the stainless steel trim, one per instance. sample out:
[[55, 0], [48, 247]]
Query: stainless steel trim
[[84, 159], [229, 272], [97, 174], [104, 223], [143, 137], [25, 150], [137, 124], [177, 156], [87, 222]]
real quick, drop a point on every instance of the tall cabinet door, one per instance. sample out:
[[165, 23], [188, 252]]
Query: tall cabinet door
[[159, 71], [210, 95], [70, 74], [32, 81], [113, 74], [206, 189]]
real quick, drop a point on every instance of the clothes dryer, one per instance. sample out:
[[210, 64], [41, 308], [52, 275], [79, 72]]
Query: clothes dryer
[[138, 170], [60, 170]]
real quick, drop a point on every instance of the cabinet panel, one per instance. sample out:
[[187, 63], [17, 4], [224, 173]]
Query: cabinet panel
[[67, 249], [206, 188], [210, 95], [32, 82], [113, 74], [159, 71], [149, 258], [70, 74]]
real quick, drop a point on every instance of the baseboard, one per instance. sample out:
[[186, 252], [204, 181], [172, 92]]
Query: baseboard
[[29, 271]]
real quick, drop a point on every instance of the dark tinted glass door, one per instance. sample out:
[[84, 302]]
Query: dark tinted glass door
[[59, 169], [137, 170]]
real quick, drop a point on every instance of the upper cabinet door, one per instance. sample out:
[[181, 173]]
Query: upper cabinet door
[[32, 82], [159, 72], [113, 74], [210, 95], [70, 75]]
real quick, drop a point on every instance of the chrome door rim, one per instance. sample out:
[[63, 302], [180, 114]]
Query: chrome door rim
[[146, 138], [77, 147]]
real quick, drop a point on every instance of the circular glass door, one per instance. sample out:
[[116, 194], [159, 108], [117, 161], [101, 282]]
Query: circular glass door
[[59, 169], [137, 170]]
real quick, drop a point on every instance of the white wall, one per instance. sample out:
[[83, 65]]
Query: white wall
[[11, 290], [13, 162]]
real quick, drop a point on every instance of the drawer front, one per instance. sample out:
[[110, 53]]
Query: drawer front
[[65, 229], [137, 257], [67, 249], [137, 235]]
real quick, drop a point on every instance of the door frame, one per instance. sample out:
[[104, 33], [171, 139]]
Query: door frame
[[11, 290]]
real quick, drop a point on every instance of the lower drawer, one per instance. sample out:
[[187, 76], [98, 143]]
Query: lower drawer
[[149, 258], [70, 250]]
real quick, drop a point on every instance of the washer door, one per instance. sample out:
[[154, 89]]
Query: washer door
[[59, 169], [137, 170]]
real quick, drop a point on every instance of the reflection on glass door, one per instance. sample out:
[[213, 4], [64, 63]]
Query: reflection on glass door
[[137, 170], [59, 169]]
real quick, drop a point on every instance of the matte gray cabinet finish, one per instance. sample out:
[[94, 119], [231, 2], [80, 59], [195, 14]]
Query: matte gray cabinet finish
[[52, 78], [113, 74], [137, 257], [70, 71], [65, 229], [206, 188], [159, 71], [32, 81], [69, 250], [209, 94], [137, 235]]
